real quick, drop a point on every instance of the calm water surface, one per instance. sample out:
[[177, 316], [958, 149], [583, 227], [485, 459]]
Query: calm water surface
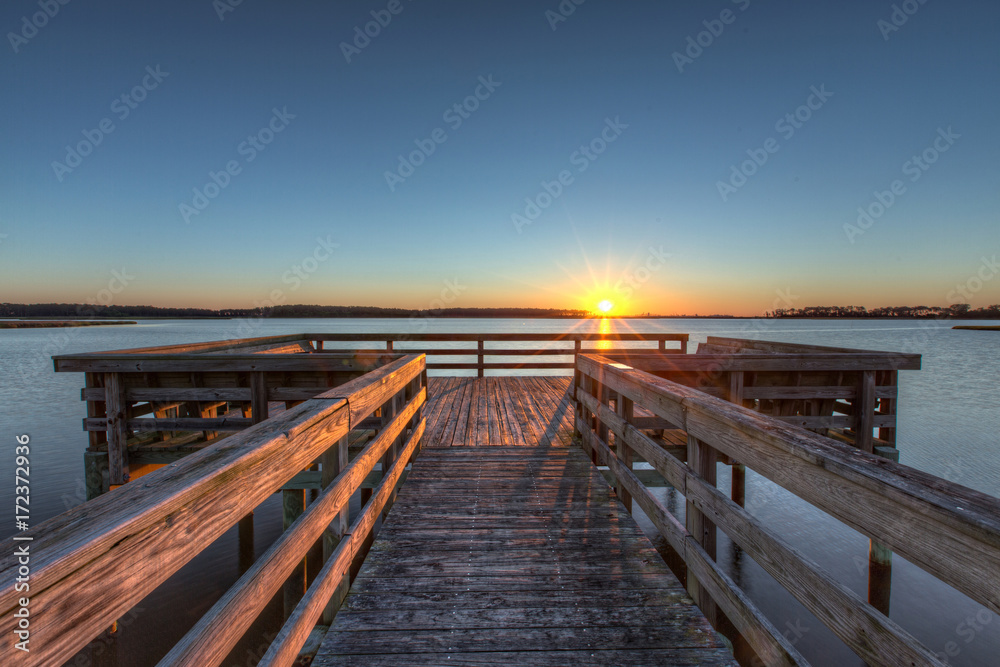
[[949, 421]]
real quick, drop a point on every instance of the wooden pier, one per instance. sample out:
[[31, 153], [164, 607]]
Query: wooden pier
[[515, 556], [495, 522]]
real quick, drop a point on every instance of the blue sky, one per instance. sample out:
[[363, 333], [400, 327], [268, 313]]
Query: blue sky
[[643, 222]]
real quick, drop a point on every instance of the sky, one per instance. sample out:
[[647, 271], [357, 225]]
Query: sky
[[671, 157]]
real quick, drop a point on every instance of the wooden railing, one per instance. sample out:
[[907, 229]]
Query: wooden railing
[[948, 530], [147, 407], [90, 565], [483, 346], [848, 394]]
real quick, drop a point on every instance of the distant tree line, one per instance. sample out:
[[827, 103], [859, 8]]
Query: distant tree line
[[84, 311], [957, 310]]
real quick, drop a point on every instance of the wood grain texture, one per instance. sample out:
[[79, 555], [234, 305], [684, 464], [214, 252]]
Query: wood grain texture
[[574, 574], [145, 531], [498, 411], [951, 531]]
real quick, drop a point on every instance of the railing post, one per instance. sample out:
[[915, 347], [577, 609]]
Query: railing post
[[334, 462], [864, 413], [880, 567], [739, 471], [597, 391], [258, 396], [117, 411], [887, 406], [479, 364], [577, 387], [701, 460], [626, 410]]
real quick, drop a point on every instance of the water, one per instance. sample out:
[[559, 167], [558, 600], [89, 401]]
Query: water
[[949, 418]]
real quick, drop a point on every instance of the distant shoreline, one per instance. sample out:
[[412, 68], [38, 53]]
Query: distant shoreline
[[52, 324]]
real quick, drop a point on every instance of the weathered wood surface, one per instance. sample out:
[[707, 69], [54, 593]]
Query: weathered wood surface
[[951, 531], [222, 626], [528, 559], [725, 362], [146, 530], [499, 411]]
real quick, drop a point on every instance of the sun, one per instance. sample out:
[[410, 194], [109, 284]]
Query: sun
[[605, 306]]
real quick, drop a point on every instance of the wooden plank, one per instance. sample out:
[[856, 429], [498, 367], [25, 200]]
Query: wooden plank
[[493, 415], [185, 363], [146, 424], [211, 639], [258, 398], [865, 416], [949, 530], [514, 413], [764, 362], [285, 648], [875, 638], [464, 415], [681, 657], [73, 600], [506, 560], [117, 428], [173, 513]]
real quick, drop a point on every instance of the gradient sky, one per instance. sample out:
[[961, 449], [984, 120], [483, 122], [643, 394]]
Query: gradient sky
[[778, 240]]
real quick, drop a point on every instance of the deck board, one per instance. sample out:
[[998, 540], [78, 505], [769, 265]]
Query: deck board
[[514, 555], [498, 411]]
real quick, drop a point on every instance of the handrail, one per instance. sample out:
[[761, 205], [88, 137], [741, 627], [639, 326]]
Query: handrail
[[948, 530], [307, 351], [171, 514]]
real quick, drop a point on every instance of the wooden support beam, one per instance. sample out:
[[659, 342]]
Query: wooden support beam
[[865, 412], [258, 396], [625, 409], [117, 427], [701, 460], [738, 471], [334, 462]]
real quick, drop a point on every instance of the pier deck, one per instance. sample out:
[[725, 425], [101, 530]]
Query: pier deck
[[499, 411], [514, 555], [504, 544]]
